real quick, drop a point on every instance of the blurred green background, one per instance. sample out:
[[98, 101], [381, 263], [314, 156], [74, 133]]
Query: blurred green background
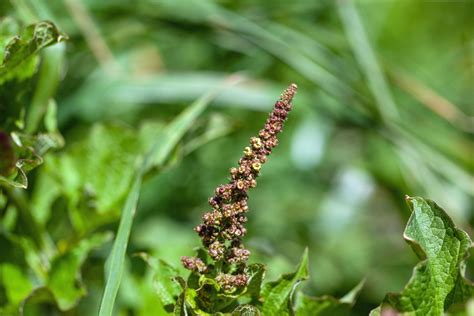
[[384, 109]]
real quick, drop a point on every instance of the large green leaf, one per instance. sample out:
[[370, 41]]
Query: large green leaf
[[277, 295], [93, 174], [438, 283]]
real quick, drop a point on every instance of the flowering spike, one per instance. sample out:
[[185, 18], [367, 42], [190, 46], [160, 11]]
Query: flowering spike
[[223, 227]]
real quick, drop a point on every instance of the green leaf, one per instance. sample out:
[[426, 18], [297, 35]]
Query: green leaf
[[32, 304], [50, 74], [324, 305], [277, 295], [64, 278], [210, 298], [166, 288], [256, 274], [28, 152], [94, 175], [438, 282], [327, 305], [164, 281], [63, 285], [19, 55], [20, 60], [15, 283]]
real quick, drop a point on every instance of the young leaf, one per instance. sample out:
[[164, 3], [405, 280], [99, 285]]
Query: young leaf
[[180, 306], [18, 61], [164, 281], [438, 281], [256, 273], [165, 287], [278, 295], [327, 305]]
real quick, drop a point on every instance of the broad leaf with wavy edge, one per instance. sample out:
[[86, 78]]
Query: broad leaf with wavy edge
[[438, 283]]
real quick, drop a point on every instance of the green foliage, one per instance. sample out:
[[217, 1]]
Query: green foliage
[[154, 157], [384, 108], [64, 281], [204, 297], [21, 55], [438, 283], [278, 296], [328, 305], [59, 283], [89, 177]]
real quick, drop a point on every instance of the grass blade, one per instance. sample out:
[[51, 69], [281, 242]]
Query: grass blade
[[117, 256], [155, 157], [366, 57]]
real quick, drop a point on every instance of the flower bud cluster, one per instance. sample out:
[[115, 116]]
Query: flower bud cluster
[[230, 281], [223, 228], [194, 264]]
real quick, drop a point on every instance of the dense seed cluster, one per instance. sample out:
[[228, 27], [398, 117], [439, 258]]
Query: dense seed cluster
[[223, 228]]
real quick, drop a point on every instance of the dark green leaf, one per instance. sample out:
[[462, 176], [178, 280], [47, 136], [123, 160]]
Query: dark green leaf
[[277, 295], [438, 282]]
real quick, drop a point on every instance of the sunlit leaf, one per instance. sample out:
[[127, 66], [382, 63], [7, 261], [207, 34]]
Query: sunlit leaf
[[438, 281], [164, 283], [19, 54], [277, 295]]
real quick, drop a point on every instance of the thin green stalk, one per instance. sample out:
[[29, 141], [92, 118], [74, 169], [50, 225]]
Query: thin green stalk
[[49, 77]]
